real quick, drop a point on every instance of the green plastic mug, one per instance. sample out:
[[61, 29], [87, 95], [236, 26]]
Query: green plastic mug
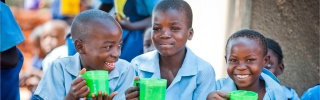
[[243, 95], [97, 80], [151, 89]]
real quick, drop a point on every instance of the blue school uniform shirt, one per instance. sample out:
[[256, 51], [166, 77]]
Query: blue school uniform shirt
[[194, 80], [290, 93], [10, 36], [56, 82], [273, 89], [312, 93], [136, 10]]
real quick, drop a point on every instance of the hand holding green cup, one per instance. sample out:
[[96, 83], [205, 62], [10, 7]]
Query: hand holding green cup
[[151, 89], [97, 80]]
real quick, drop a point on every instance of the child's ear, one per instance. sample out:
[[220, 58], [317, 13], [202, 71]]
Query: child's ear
[[190, 33], [78, 44], [281, 67], [266, 60]]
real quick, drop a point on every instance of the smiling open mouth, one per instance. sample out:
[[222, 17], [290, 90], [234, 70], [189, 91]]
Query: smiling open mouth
[[110, 65], [242, 76]]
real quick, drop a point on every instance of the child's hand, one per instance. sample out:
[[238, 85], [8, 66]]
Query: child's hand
[[218, 95], [124, 22], [132, 93], [106, 97], [78, 88]]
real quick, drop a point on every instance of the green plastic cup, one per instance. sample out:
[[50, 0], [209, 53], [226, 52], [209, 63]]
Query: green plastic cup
[[243, 95], [97, 80], [151, 89]]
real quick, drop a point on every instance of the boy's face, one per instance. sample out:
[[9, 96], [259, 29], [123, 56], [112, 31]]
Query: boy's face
[[245, 60], [101, 48], [274, 66], [147, 42], [170, 31]]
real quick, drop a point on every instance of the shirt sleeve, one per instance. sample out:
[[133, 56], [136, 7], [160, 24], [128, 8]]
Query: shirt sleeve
[[206, 85], [126, 81], [51, 86], [11, 34]]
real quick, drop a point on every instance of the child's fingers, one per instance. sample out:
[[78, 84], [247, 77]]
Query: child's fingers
[[100, 95], [93, 96], [77, 81], [81, 84], [222, 94], [137, 78], [217, 95], [131, 89], [105, 97], [132, 95], [83, 70], [85, 98], [112, 95], [84, 91]]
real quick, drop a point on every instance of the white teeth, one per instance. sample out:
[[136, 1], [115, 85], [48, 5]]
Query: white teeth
[[110, 64], [242, 76]]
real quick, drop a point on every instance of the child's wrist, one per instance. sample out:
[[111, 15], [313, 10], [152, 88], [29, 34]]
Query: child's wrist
[[70, 97]]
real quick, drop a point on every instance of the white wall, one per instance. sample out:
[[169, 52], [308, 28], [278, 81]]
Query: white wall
[[209, 23]]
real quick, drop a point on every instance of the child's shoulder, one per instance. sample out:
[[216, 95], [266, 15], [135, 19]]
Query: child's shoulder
[[149, 56], [63, 63], [193, 59]]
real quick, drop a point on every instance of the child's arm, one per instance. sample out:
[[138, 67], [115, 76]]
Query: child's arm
[[9, 58], [206, 83], [217, 95]]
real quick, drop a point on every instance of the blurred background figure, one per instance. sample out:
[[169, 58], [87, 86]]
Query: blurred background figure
[[44, 39], [147, 42], [11, 57]]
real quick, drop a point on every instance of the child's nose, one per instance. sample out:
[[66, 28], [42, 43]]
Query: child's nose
[[166, 34], [116, 52], [241, 66]]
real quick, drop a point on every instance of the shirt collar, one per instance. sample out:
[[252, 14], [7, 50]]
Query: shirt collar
[[74, 66], [188, 68]]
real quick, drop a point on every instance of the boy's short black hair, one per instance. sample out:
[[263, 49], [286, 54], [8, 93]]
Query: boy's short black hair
[[251, 34], [275, 47], [80, 27], [178, 5]]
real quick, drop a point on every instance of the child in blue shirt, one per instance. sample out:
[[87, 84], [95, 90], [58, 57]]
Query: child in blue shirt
[[11, 59], [246, 55], [188, 76], [312, 93], [97, 39], [276, 66]]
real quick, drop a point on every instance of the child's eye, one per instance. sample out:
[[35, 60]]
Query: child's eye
[[175, 28], [157, 29], [108, 47], [250, 60], [232, 60]]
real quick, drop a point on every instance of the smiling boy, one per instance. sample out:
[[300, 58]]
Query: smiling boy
[[97, 39]]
